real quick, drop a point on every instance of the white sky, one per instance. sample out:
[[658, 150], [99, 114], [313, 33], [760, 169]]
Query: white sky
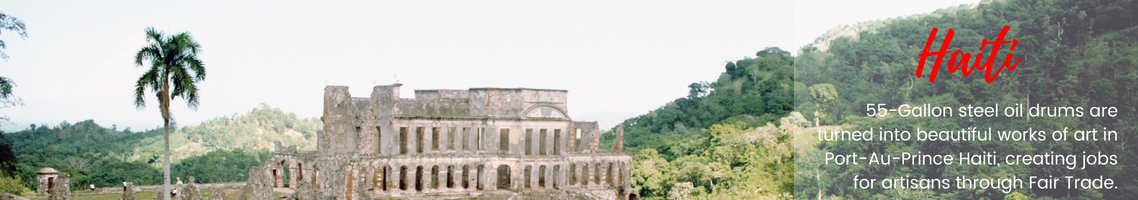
[[617, 59]]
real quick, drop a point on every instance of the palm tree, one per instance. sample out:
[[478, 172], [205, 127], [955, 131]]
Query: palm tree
[[172, 59]]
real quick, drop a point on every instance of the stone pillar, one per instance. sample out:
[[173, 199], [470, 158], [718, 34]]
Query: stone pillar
[[471, 176], [490, 178], [548, 174], [449, 176], [604, 175], [428, 177], [293, 173], [278, 173], [619, 145], [587, 174], [393, 178]]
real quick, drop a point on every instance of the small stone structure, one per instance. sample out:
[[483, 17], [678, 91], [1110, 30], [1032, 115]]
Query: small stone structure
[[46, 180], [61, 188], [476, 143]]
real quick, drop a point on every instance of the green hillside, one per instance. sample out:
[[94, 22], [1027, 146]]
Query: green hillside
[[722, 141], [1075, 53], [216, 150]]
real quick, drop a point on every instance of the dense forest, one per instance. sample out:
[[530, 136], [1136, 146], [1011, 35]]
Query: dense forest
[[218, 150], [716, 142], [1074, 53]]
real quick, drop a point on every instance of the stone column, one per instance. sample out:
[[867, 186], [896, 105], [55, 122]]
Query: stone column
[[548, 175], [293, 173], [619, 144], [471, 176], [488, 182], [428, 175], [393, 178]]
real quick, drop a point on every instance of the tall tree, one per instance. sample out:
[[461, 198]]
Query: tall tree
[[7, 158], [9, 23], [173, 61]]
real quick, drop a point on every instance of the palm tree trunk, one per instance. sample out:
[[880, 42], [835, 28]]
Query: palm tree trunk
[[164, 103], [166, 162]]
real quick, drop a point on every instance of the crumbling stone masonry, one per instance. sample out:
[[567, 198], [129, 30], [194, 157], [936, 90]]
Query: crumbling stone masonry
[[445, 144], [128, 191], [189, 191], [258, 186], [61, 189]]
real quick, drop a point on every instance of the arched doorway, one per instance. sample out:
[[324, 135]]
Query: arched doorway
[[503, 176]]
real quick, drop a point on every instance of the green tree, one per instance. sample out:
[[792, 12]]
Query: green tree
[[173, 61], [7, 158], [825, 94], [651, 173], [11, 24]]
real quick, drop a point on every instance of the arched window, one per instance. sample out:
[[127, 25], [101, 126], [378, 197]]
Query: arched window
[[450, 176], [526, 177], [478, 177], [541, 176], [403, 178], [465, 176], [557, 177], [572, 173]]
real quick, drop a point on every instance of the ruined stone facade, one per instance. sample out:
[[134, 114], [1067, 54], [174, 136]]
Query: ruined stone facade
[[442, 144]]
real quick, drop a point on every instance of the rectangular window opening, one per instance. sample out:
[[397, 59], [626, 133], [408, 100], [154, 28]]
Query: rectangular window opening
[[450, 138], [577, 142], [465, 138], [435, 138], [556, 141], [504, 140], [479, 140], [541, 143], [529, 141], [419, 139], [402, 140]]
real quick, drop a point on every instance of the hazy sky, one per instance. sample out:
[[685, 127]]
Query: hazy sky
[[618, 59]]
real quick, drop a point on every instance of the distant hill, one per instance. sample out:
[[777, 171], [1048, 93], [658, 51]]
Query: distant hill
[[256, 129], [106, 156]]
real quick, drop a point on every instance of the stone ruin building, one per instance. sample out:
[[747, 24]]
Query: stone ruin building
[[448, 144], [45, 180]]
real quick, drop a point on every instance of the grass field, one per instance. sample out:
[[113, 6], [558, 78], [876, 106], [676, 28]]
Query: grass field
[[142, 195]]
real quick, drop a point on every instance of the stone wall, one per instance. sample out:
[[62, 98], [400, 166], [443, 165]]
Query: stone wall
[[477, 143], [155, 188]]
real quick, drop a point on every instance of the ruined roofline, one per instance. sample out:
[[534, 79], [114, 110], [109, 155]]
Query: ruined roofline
[[537, 89], [436, 117], [397, 85]]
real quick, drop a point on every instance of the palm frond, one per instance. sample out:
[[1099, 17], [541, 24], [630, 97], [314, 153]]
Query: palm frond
[[175, 57], [147, 80]]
